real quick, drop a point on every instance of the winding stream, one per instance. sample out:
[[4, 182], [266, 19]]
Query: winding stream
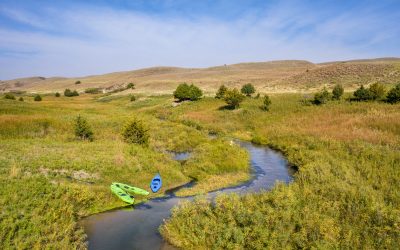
[[138, 228]]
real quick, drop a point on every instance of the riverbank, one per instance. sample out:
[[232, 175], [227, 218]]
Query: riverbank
[[138, 228]]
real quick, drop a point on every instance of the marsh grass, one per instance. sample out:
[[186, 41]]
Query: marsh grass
[[345, 194]]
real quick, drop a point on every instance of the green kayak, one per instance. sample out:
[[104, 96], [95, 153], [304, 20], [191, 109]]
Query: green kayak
[[131, 189], [122, 194]]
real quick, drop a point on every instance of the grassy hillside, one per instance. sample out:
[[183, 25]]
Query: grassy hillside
[[350, 74], [345, 194], [274, 76]]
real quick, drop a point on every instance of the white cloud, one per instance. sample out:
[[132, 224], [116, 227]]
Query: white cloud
[[76, 42]]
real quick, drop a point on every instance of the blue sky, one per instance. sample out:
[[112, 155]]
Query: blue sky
[[78, 38]]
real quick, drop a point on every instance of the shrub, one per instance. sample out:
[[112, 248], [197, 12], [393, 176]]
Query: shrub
[[57, 94], [37, 98], [82, 129], [9, 96], [195, 93], [233, 98], [248, 89], [130, 86], [266, 103], [78, 82], [321, 97], [136, 132], [187, 92], [377, 91], [257, 96], [337, 92], [362, 94], [92, 91], [67, 92], [133, 98], [21, 99], [394, 94], [221, 92], [70, 93]]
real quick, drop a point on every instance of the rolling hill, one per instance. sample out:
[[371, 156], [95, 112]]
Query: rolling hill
[[273, 76]]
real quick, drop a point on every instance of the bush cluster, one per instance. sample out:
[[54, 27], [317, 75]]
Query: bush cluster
[[233, 98], [92, 90], [394, 94], [322, 97], [69, 93], [130, 85], [9, 96], [376, 91], [187, 92]]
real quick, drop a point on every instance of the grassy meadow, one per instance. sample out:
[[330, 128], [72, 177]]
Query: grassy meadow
[[50, 179], [345, 193]]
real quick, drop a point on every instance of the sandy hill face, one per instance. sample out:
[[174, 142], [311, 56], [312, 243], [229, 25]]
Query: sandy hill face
[[274, 76]]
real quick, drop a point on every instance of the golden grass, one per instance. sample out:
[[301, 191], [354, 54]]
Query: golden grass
[[272, 77]]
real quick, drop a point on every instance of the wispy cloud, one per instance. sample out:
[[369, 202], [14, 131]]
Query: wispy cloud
[[81, 40]]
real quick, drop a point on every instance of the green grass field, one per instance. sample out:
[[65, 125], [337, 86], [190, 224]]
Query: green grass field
[[345, 194]]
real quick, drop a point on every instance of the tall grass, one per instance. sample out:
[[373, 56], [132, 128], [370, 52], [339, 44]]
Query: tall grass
[[345, 194]]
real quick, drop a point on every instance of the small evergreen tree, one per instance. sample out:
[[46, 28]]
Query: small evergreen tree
[[21, 99], [57, 94], [182, 92], [248, 89], [75, 93], [377, 91], [78, 82], [37, 98], [82, 129], [394, 94], [321, 97], [195, 93], [133, 98], [266, 103], [362, 94], [337, 92], [136, 132], [233, 98], [221, 92]]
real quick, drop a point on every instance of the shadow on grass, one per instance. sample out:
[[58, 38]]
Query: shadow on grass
[[226, 107]]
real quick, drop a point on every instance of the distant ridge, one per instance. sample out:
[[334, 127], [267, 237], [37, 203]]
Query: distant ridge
[[271, 76]]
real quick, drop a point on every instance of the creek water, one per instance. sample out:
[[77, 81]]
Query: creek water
[[137, 228]]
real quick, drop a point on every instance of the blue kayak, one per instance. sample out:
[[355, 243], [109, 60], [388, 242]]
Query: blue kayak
[[156, 183]]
